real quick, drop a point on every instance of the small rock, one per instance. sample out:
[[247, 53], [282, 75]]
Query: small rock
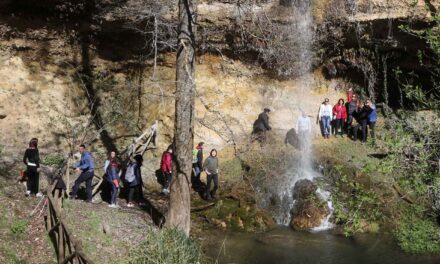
[[106, 228]]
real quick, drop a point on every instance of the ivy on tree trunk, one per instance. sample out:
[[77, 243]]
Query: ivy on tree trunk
[[179, 212]]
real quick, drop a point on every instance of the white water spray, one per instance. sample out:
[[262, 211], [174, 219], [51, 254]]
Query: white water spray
[[303, 31]]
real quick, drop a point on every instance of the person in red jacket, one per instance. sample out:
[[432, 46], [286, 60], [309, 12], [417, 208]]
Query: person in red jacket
[[166, 166], [340, 116]]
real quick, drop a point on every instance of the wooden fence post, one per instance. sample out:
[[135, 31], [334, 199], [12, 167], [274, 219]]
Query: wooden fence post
[[68, 175]]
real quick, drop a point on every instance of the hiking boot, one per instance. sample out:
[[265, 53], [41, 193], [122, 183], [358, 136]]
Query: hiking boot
[[27, 193], [113, 206]]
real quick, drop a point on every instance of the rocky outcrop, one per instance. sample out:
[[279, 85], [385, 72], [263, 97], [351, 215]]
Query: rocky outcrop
[[309, 210]]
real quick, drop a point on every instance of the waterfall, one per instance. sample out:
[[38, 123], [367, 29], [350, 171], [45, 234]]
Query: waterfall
[[303, 32]]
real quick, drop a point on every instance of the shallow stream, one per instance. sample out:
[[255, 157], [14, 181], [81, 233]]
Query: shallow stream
[[283, 245]]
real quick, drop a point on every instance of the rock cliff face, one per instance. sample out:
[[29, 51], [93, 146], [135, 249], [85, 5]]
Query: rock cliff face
[[74, 70]]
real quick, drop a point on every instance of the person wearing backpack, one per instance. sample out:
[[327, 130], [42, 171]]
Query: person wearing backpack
[[86, 168], [211, 169], [166, 166], [134, 179], [111, 173], [32, 160], [198, 160]]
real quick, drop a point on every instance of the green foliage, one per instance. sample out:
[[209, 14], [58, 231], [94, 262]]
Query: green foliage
[[18, 227], [231, 169], [410, 84], [416, 235], [55, 160], [9, 256], [166, 246], [354, 205]]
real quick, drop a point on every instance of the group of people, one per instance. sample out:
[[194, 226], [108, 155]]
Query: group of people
[[348, 117], [210, 166], [85, 168]]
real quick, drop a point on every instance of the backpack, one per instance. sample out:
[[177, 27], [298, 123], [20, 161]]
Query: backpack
[[195, 155], [129, 174]]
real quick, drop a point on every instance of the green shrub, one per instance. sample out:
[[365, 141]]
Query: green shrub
[[417, 235], [55, 160], [166, 246], [18, 227], [231, 169]]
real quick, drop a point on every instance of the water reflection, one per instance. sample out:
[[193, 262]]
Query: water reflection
[[286, 246]]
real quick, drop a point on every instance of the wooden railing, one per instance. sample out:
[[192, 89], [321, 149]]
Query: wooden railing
[[68, 249]]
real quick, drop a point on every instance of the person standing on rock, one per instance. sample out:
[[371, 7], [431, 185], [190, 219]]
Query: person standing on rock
[[32, 160], [340, 116], [133, 177], [166, 166], [261, 125], [111, 168], [303, 128], [86, 169], [325, 116], [211, 168]]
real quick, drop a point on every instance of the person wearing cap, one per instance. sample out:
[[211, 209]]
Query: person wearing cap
[[325, 116], [261, 125], [198, 160]]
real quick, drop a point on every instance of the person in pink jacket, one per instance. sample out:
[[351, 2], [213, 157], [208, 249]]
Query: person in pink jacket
[[340, 116], [166, 166]]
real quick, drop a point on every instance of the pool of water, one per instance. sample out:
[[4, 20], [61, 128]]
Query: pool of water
[[283, 245]]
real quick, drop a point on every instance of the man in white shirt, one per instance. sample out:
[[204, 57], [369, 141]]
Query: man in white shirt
[[303, 128], [325, 116]]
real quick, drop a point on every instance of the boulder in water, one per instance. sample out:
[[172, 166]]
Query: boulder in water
[[309, 209]]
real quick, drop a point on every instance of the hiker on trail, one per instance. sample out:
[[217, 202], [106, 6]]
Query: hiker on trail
[[261, 125], [211, 168], [86, 169], [133, 177], [325, 116], [303, 128], [111, 168], [32, 160], [340, 116], [166, 166], [372, 118], [361, 116], [351, 107], [198, 160]]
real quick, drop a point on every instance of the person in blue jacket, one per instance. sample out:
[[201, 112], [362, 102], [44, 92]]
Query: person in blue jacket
[[111, 168], [372, 118], [86, 169]]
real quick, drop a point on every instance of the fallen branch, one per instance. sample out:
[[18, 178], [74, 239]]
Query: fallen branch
[[202, 208], [402, 195]]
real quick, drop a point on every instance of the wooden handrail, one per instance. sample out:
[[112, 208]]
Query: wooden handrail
[[63, 238]]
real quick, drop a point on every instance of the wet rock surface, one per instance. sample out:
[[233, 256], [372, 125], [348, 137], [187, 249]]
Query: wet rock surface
[[309, 209]]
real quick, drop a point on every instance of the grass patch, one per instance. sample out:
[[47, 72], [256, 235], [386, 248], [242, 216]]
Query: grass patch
[[166, 246], [416, 235], [18, 227], [54, 160]]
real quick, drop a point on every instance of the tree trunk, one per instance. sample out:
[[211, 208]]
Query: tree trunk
[[179, 213]]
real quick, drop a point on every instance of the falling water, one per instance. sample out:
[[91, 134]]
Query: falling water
[[303, 32]]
